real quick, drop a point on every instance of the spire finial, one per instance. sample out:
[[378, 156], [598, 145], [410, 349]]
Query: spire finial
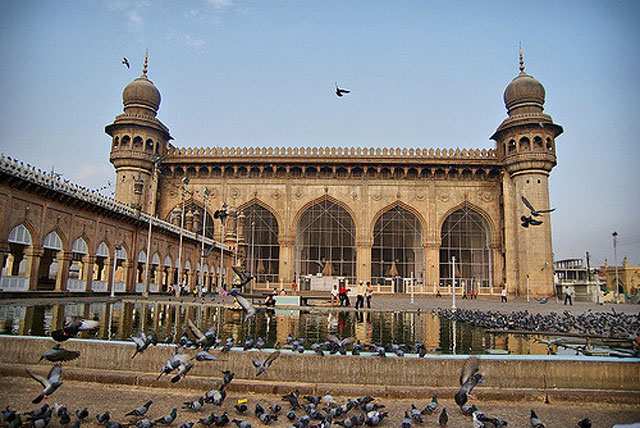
[[521, 60], [146, 63]]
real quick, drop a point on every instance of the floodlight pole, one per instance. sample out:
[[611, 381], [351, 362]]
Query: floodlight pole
[[185, 181], [527, 287], [615, 257], [453, 287], [204, 228], [253, 246]]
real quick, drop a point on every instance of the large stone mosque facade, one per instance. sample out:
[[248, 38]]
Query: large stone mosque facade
[[318, 215], [409, 220]]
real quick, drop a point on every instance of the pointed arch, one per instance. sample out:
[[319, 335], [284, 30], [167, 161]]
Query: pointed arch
[[315, 201], [395, 204], [167, 261], [155, 259], [80, 246], [262, 233], [142, 257], [103, 249], [52, 241], [264, 205], [20, 235], [472, 206]]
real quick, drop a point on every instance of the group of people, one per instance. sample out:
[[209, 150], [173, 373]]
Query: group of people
[[340, 295]]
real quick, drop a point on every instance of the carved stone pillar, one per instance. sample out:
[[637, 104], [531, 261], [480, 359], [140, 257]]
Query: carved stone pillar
[[363, 260], [107, 271], [285, 269], [33, 255], [64, 262], [87, 267], [129, 275]]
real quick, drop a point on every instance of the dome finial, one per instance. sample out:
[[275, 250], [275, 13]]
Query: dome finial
[[146, 62], [521, 59]]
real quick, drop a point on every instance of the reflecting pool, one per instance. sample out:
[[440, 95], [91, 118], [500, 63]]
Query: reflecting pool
[[120, 320]]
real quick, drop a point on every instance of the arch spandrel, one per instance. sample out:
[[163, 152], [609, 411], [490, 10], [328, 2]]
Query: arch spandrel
[[403, 205], [485, 215], [275, 213], [294, 222]]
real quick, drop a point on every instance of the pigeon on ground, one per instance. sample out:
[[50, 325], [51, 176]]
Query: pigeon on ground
[[144, 423], [241, 424], [140, 411], [72, 328], [542, 300], [215, 396], [415, 414], [584, 423], [167, 419], [240, 408], [443, 420], [406, 422], [227, 378], [477, 423], [291, 415], [57, 353], [469, 378], [103, 418], [82, 414], [194, 405], [535, 421], [431, 407], [50, 383], [262, 366], [292, 398]]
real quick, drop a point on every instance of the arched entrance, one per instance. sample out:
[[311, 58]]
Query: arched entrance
[[14, 267], [263, 248]]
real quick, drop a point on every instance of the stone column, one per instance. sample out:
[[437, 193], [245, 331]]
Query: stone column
[[432, 255], [129, 275], [33, 255], [363, 260], [64, 262], [88, 266], [191, 279], [108, 273], [285, 268]]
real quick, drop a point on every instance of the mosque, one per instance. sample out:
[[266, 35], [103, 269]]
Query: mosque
[[410, 220]]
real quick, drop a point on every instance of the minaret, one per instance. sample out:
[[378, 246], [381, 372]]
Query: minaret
[[138, 140], [525, 143]]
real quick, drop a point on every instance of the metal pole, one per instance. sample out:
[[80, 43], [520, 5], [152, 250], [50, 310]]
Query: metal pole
[[412, 285], [204, 226], [221, 259], [253, 259], [179, 284], [113, 276], [615, 257], [145, 290], [453, 287], [527, 287]]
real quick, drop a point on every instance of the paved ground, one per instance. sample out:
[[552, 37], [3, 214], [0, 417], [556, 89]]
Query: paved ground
[[119, 399]]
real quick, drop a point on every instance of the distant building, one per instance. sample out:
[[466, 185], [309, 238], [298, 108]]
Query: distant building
[[628, 277], [573, 273]]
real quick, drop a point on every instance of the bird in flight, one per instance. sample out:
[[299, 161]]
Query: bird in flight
[[125, 61], [534, 212], [340, 92], [529, 221]]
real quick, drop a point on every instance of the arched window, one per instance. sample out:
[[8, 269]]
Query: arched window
[[397, 247], [325, 242], [465, 235], [524, 144], [125, 141], [148, 146], [137, 143], [261, 236]]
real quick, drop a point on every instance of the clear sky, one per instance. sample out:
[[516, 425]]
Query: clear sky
[[262, 73]]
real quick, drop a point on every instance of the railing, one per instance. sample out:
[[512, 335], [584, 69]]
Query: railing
[[76, 285], [99, 286], [120, 287], [14, 283]]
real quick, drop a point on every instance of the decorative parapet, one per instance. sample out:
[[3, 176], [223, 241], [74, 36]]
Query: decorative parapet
[[31, 174], [353, 153]]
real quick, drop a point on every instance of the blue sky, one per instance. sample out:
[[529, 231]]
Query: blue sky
[[262, 73]]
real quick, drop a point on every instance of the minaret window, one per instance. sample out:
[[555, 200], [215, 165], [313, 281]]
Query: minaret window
[[524, 144], [549, 144], [125, 141], [512, 146], [149, 146], [537, 143], [137, 143]]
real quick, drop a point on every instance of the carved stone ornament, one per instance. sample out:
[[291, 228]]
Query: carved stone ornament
[[443, 196], [299, 193], [485, 196], [276, 194], [235, 193], [420, 196]]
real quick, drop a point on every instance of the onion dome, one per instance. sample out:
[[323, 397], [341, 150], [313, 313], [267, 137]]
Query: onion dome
[[524, 94], [141, 95]]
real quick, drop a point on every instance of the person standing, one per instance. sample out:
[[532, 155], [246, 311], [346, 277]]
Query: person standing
[[368, 294], [360, 290], [334, 295], [294, 286], [568, 295], [503, 295]]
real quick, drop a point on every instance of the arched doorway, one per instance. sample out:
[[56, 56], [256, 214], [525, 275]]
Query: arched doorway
[[397, 252], [466, 236], [14, 267], [49, 264], [263, 248], [325, 244]]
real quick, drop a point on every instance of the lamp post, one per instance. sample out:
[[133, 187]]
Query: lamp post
[[204, 228], [615, 258], [113, 276], [453, 287], [527, 287], [156, 161], [222, 215], [185, 181], [253, 260]]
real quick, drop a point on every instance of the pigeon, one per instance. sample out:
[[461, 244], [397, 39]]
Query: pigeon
[[57, 353], [103, 418], [143, 342], [50, 383], [240, 408], [292, 398], [177, 359], [244, 277], [222, 419], [259, 410], [275, 408], [144, 423], [167, 419], [431, 407], [375, 418], [222, 213], [535, 421], [125, 61], [542, 300], [72, 328], [443, 420], [469, 378], [228, 377], [341, 92], [182, 372], [262, 366], [82, 414], [205, 340], [534, 212], [228, 344], [140, 411], [584, 423], [187, 425], [477, 423], [529, 221], [244, 303], [204, 356], [468, 410], [291, 415], [43, 420], [267, 418], [241, 424], [215, 396], [341, 343], [194, 405], [407, 422]]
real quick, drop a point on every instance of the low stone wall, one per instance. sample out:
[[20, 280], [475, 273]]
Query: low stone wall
[[392, 376]]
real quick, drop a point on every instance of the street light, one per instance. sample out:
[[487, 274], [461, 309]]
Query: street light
[[204, 228], [453, 295], [113, 277], [222, 215], [253, 246], [615, 257], [185, 181]]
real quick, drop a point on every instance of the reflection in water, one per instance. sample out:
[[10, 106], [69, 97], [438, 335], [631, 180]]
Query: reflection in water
[[120, 320]]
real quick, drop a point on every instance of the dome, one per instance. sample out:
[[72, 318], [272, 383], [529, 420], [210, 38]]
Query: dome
[[524, 91], [141, 93]]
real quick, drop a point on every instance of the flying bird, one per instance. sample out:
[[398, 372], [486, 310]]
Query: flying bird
[[340, 92], [244, 277], [529, 221], [50, 383], [57, 353], [534, 212], [72, 328], [143, 342], [262, 366], [244, 303], [125, 61], [469, 378]]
